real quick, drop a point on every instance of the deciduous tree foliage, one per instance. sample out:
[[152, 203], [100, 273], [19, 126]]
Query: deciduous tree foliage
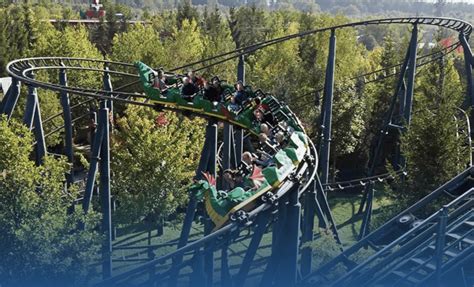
[[41, 244], [153, 160], [139, 43]]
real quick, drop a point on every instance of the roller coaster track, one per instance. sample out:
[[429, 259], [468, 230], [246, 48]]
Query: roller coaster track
[[36, 72]]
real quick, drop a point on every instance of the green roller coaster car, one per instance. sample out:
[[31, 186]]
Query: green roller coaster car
[[172, 97], [221, 204]]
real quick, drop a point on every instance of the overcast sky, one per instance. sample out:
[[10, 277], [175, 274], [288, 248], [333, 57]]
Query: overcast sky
[[465, 1]]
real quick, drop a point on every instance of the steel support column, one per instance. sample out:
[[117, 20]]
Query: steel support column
[[469, 63], [440, 242], [94, 159], [259, 231], [32, 119], [207, 163], [226, 150], [290, 262], [311, 207], [104, 191], [208, 226], [108, 87], [323, 204], [65, 103], [279, 240], [328, 102], [225, 273], [408, 69], [198, 277], [11, 99], [239, 144], [410, 85]]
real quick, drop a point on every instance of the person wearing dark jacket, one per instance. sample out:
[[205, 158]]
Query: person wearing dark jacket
[[211, 93], [188, 89]]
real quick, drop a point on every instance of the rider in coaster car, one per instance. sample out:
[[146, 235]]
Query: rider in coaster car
[[281, 139], [233, 178], [239, 98], [188, 89], [250, 160], [267, 141], [195, 79], [216, 82], [159, 81], [264, 128], [262, 115], [211, 93]]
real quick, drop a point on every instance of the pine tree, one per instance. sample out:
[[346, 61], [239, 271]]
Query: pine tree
[[217, 39], [186, 11], [433, 149]]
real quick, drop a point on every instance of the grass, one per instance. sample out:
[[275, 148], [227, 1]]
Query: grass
[[136, 245]]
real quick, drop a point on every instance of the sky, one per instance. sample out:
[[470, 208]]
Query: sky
[[465, 1]]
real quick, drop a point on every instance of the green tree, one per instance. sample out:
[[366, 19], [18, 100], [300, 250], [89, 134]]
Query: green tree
[[277, 67], [186, 11], [432, 146], [184, 45], [140, 43], [154, 159], [217, 40], [70, 42], [40, 241], [379, 94]]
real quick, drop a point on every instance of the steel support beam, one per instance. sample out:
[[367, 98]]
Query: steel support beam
[[66, 105], [469, 63], [32, 119], [440, 242], [259, 231], [290, 262], [225, 272], [279, 240], [226, 152], [208, 226], [239, 144], [323, 204], [328, 102], [411, 73], [198, 276], [207, 163], [311, 207], [104, 191], [94, 159], [408, 69], [11, 98], [108, 87]]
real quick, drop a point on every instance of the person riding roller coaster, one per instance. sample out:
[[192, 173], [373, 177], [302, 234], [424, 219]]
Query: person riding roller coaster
[[159, 81], [188, 89], [211, 93], [237, 101]]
